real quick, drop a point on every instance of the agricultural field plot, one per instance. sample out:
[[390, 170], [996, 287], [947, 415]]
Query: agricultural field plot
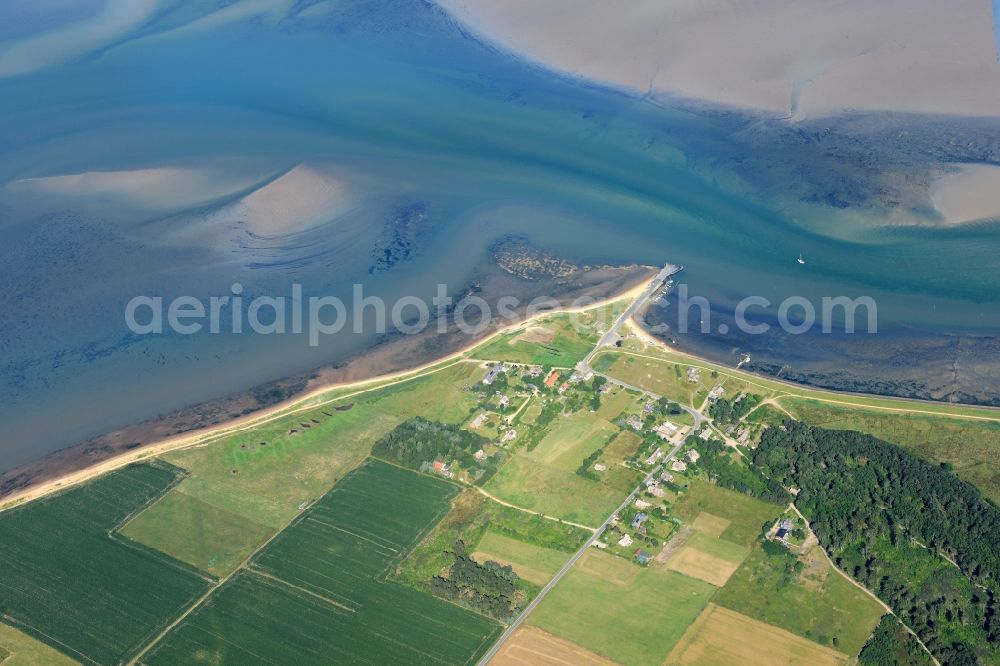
[[817, 603], [194, 531], [69, 583], [633, 619], [507, 532], [19, 649], [262, 477], [533, 485], [708, 558], [720, 637], [571, 439], [968, 445], [529, 646], [534, 564], [745, 514], [328, 568]]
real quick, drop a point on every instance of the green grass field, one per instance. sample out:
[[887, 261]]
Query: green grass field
[[205, 536], [820, 605], [632, 616], [571, 439], [533, 563], [19, 649], [263, 476], [68, 583], [971, 447], [564, 340], [471, 518], [316, 592], [534, 485], [745, 514]]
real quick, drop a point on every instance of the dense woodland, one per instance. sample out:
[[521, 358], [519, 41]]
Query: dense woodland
[[722, 469], [892, 645], [887, 517], [488, 587], [724, 412], [417, 442]]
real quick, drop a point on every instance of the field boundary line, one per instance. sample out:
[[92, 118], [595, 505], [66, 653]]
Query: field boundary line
[[251, 569], [534, 513]]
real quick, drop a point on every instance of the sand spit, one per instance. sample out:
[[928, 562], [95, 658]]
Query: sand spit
[[303, 197], [801, 58], [153, 190], [968, 194]]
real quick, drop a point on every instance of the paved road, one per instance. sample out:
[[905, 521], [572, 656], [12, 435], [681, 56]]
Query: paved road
[[612, 334], [576, 556], [607, 339]]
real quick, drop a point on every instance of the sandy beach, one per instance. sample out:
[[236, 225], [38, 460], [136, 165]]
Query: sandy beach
[[77, 464], [798, 59]]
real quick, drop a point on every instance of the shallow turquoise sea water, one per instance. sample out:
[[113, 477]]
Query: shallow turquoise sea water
[[420, 114]]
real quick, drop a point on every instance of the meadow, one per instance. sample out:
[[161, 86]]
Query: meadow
[[19, 649], [571, 439], [244, 488], [70, 582], [818, 603], [720, 636], [318, 589], [628, 614], [534, 564], [746, 515], [558, 340], [555, 492], [527, 540]]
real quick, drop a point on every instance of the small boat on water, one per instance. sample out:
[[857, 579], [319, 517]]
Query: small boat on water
[[800, 259]]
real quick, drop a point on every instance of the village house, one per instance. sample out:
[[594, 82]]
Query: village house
[[503, 402], [665, 430], [693, 375], [479, 455], [535, 371], [649, 407], [509, 436], [492, 374], [639, 519], [634, 422], [641, 556], [642, 504], [600, 467], [705, 433], [667, 477], [551, 380], [656, 456], [692, 455], [656, 491], [678, 466], [625, 541], [784, 527], [563, 387], [716, 392], [441, 468], [478, 421]]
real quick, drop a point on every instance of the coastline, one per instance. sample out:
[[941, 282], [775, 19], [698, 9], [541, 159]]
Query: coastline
[[43, 484]]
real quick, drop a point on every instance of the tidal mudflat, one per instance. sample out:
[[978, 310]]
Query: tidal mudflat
[[380, 143]]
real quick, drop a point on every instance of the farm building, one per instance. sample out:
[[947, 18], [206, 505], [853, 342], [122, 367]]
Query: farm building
[[551, 380], [625, 541]]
